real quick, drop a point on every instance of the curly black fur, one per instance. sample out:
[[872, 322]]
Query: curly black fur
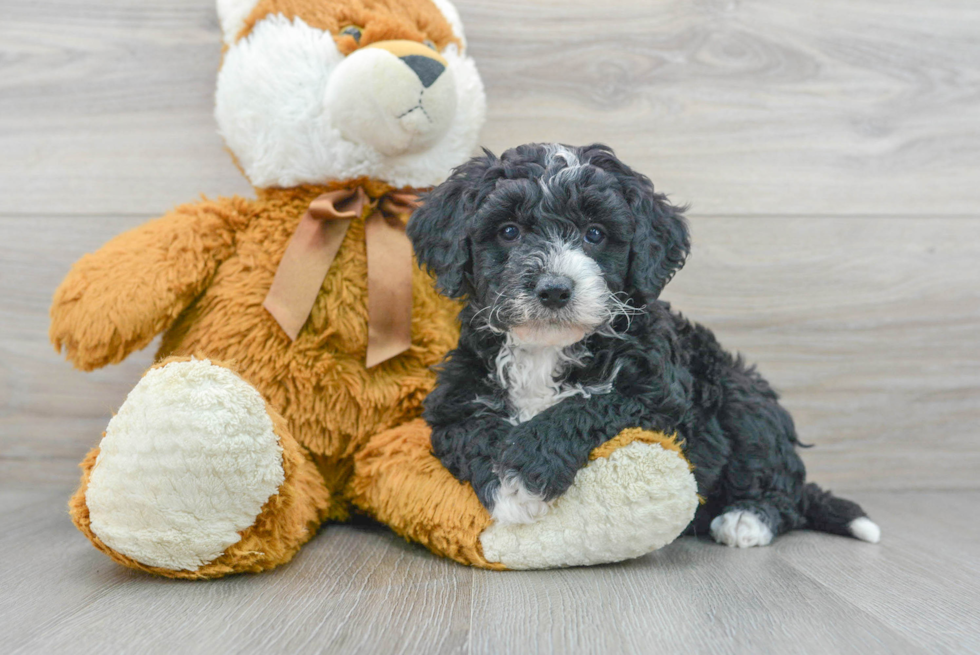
[[666, 373]]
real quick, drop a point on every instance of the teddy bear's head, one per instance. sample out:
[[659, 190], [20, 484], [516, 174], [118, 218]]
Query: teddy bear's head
[[317, 90]]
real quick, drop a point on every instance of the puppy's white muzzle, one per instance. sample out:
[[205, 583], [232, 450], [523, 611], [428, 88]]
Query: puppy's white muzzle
[[394, 96], [540, 321]]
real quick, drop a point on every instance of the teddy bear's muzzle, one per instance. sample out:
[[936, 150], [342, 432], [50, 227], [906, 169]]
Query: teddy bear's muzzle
[[395, 96]]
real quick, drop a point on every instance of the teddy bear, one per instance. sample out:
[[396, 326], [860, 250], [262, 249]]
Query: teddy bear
[[299, 337]]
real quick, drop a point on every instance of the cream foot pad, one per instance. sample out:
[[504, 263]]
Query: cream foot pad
[[638, 499], [186, 464]]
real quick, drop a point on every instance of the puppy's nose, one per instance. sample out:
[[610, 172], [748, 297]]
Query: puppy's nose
[[554, 292], [426, 68]]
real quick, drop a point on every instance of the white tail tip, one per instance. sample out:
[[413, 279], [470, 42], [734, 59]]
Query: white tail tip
[[866, 530]]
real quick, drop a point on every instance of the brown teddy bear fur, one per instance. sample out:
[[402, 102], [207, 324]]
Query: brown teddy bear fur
[[200, 274], [380, 20]]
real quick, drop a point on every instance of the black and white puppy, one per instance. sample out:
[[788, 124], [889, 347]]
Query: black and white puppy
[[561, 254]]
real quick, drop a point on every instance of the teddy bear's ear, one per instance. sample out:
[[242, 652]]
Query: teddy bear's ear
[[438, 228], [232, 15], [448, 10]]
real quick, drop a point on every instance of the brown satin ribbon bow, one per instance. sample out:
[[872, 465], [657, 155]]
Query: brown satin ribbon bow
[[313, 248]]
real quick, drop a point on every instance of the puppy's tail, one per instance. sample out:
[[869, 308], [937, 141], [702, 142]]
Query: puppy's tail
[[826, 512]]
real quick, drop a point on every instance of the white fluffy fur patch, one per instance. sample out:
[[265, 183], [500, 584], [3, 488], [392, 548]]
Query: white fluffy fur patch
[[590, 301], [272, 111], [232, 15], [515, 504], [591, 305], [866, 530], [740, 529], [186, 464], [532, 375], [637, 500]]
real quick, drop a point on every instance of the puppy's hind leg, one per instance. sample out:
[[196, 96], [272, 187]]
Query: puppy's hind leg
[[749, 523], [761, 490]]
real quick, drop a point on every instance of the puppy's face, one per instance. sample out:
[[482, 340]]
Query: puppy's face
[[549, 243], [550, 252]]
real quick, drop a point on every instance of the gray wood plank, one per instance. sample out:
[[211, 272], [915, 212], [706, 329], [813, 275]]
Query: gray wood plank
[[13, 499], [106, 107], [750, 107], [359, 588], [693, 596], [923, 580], [353, 589], [49, 409], [868, 326], [755, 106]]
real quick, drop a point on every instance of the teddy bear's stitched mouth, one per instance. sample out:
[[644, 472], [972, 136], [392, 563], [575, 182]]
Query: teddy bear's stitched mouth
[[418, 107]]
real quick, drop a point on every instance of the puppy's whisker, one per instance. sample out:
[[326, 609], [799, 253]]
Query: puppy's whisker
[[476, 315], [616, 307], [488, 321]]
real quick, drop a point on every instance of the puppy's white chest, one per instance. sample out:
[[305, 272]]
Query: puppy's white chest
[[531, 375]]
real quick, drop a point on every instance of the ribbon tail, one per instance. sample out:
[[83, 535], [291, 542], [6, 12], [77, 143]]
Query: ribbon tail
[[302, 270], [389, 259]]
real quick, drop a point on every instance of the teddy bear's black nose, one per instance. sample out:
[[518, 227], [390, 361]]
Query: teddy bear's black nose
[[554, 292], [426, 68]]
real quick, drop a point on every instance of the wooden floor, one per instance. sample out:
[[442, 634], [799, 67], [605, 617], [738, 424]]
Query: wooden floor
[[831, 155], [360, 589]]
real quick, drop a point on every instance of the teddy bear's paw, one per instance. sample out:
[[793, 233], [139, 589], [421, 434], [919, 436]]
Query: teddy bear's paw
[[634, 500], [184, 467], [513, 503]]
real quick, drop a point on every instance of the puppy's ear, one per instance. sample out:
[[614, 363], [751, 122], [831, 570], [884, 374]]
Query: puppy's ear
[[661, 241], [438, 228]]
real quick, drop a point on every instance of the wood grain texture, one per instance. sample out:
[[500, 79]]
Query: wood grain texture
[[753, 106], [867, 326], [690, 597], [361, 589], [750, 106], [47, 409], [107, 107], [918, 533]]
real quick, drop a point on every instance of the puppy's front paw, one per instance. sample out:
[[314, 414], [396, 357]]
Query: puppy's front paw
[[513, 503], [740, 529]]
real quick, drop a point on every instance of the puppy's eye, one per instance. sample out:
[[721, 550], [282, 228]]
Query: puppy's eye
[[595, 235], [352, 31], [510, 232], [428, 43]]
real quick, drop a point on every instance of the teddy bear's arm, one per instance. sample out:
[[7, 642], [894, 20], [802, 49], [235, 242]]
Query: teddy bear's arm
[[114, 301]]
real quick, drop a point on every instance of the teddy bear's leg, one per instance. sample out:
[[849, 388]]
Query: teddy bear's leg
[[636, 494], [196, 477], [398, 481]]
